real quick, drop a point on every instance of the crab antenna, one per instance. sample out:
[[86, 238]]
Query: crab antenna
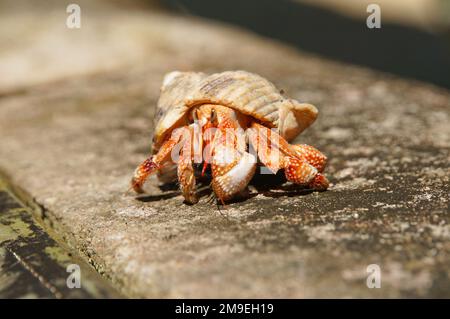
[[213, 118], [205, 164], [195, 116]]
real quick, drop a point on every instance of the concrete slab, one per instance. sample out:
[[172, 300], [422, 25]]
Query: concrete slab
[[34, 265], [73, 144]]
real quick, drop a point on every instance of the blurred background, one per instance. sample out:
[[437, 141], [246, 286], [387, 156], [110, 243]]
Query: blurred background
[[414, 39], [35, 44]]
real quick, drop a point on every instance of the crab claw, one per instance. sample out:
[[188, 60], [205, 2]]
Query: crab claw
[[312, 155], [232, 171], [155, 162], [142, 172], [319, 183], [301, 172]]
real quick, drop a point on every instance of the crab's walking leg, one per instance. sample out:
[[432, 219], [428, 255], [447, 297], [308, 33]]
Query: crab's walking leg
[[302, 164], [208, 133], [155, 162], [314, 158], [231, 170], [312, 155], [300, 172], [185, 172], [260, 139]]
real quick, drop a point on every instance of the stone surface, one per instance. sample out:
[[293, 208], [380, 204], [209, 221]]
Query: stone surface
[[34, 265], [73, 144]]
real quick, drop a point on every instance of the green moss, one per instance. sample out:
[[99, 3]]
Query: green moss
[[14, 219], [58, 254], [6, 233]]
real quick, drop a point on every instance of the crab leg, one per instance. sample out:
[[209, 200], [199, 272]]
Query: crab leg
[[260, 139], [303, 164], [185, 172], [208, 133], [312, 155], [155, 162]]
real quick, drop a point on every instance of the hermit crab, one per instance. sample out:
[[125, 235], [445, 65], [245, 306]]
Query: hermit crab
[[226, 122]]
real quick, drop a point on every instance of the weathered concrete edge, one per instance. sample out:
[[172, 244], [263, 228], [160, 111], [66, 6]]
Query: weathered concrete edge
[[89, 270]]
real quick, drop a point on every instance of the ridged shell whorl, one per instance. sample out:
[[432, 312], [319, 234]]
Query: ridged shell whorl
[[246, 92]]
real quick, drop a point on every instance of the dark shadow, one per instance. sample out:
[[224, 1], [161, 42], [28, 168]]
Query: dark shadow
[[154, 198], [274, 186], [397, 49], [294, 192], [269, 185], [263, 182], [240, 198], [169, 187]]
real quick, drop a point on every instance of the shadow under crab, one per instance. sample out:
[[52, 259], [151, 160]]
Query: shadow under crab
[[267, 185]]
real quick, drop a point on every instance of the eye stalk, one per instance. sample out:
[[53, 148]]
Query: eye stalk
[[195, 116], [214, 119]]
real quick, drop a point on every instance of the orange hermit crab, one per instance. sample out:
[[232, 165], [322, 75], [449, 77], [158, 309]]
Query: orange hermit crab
[[215, 119]]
